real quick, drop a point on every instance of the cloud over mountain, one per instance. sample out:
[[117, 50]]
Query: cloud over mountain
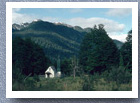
[[113, 28], [110, 25], [21, 18]]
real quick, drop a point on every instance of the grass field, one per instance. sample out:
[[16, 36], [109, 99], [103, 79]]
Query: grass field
[[70, 84]]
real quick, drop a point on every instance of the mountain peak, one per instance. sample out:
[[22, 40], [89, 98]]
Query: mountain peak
[[64, 24], [19, 26], [36, 20]]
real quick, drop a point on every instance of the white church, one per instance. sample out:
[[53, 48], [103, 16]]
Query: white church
[[51, 72]]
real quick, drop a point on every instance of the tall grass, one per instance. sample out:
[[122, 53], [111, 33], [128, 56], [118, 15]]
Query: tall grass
[[84, 83]]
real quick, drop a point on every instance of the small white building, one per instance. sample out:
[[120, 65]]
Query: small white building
[[58, 74], [51, 72]]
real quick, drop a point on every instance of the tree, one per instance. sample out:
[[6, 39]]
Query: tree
[[65, 67], [28, 57], [70, 67], [121, 61], [98, 52], [74, 65], [126, 51]]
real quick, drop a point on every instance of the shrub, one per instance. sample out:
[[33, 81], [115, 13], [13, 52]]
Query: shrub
[[88, 84], [36, 78], [120, 75]]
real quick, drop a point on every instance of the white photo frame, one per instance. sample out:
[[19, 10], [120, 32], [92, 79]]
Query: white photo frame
[[71, 94]]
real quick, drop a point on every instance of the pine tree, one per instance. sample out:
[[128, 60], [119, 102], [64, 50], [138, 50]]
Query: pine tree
[[66, 68], [28, 57], [121, 61], [98, 52], [126, 51]]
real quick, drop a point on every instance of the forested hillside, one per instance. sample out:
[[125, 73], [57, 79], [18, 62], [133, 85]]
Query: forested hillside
[[55, 39]]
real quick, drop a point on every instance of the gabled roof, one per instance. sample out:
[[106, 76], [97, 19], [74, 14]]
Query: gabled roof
[[52, 67]]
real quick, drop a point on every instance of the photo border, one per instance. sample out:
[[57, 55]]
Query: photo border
[[71, 94]]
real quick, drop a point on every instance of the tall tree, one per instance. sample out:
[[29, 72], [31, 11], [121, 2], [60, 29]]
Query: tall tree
[[126, 51], [98, 52], [74, 65], [65, 67], [28, 57]]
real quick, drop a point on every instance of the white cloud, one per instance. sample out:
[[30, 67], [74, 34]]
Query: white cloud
[[113, 28], [110, 25], [21, 18], [121, 37], [119, 12], [52, 19]]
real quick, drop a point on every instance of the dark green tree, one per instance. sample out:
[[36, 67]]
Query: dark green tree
[[28, 57], [98, 52], [126, 51], [66, 67]]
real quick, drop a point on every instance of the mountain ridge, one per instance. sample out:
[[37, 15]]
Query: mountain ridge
[[56, 39]]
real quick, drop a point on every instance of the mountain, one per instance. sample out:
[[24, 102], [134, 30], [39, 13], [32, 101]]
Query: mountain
[[57, 39], [118, 43], [19, 27], [79, 29], [64, 24]]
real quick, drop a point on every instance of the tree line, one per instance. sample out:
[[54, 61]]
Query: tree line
[[99, 55]]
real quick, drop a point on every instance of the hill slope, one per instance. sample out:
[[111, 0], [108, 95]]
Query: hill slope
[[55, 39], [118, 43]]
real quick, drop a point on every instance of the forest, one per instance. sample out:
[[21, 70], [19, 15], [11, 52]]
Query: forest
[[93, 62]]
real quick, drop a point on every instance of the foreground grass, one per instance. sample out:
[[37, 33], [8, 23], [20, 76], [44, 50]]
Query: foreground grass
[[71, 84], [58, 84]]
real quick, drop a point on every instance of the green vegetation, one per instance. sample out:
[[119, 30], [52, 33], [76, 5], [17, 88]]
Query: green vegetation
[[54, 39], [28, 57], [98, 52], [126, 51], [118, 43], [85, 83], [90, 62]]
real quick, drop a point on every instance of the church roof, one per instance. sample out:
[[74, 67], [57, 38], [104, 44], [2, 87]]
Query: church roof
[[52, 67]]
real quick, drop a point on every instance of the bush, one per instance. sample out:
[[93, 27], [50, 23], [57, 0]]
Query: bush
[[120, 75], [30, 84], [36, 78], [88, 84]]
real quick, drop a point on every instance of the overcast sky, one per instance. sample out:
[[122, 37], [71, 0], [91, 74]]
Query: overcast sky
[[117, 21]]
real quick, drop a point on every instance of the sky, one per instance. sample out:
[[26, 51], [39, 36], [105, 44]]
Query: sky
[[117, 21]]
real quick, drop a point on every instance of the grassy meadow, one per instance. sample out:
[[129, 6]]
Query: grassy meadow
[[84, 83]]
